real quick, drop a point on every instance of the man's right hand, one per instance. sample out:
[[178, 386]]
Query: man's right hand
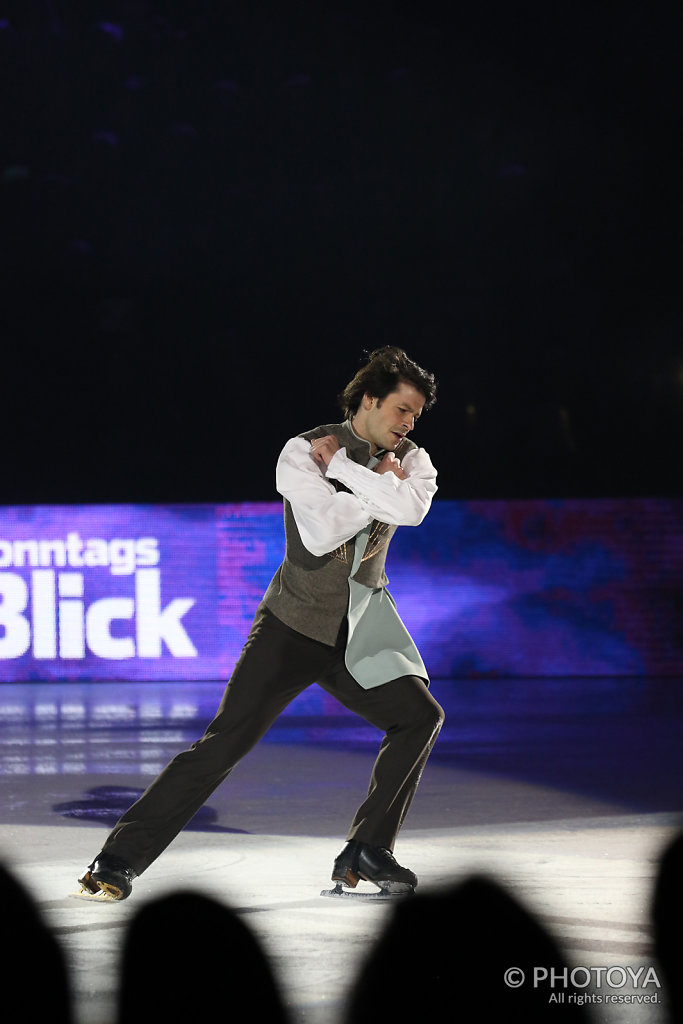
[[324, 448], [390, 464]]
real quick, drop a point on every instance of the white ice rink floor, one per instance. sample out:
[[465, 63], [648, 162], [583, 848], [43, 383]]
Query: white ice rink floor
[[584, 862]]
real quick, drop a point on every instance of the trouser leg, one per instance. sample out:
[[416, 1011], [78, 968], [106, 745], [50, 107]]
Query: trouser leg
[[411, 719], [276, 664]]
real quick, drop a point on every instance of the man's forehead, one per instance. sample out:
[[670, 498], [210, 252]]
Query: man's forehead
[[410, 395]]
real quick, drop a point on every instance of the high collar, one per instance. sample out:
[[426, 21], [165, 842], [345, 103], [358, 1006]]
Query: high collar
[[358, 445]]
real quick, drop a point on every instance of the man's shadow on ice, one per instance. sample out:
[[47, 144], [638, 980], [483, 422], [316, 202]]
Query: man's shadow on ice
[[106, 804]]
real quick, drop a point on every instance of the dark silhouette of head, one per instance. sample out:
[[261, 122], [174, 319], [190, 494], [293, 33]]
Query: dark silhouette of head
[[183, 955]]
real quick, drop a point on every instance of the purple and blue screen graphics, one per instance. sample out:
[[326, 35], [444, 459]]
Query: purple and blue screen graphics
[[525, 588], [109, 592], [544, 588]]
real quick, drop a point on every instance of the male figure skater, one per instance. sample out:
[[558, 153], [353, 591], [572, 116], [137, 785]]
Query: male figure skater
[[326, 617]]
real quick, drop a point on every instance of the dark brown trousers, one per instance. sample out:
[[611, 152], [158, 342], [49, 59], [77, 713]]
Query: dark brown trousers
[[276, 664]]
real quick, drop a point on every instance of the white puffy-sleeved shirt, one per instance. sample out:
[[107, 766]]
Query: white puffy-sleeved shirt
[[326, 517]]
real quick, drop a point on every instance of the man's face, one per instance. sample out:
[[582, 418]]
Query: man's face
[[385, 422]]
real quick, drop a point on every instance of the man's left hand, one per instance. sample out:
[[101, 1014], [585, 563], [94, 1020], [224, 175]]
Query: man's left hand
[[390, 464]]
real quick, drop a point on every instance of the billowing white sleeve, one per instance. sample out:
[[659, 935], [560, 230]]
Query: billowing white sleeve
[[324, 516], [383, 495]]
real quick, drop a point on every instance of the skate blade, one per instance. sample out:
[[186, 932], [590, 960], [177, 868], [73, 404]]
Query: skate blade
[[390, 891], [98, 897], [102, 892]]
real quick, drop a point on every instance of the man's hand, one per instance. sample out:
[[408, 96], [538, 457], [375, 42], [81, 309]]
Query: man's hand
[[390, 464], [323, 448]]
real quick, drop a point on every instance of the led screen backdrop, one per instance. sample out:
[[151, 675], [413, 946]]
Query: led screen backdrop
[[519, 588]]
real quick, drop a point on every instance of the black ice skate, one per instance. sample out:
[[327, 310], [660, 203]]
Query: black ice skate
[[371, 864], [107, 879]]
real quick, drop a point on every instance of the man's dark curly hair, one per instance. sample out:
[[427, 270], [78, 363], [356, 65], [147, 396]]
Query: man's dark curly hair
[[385, 370]]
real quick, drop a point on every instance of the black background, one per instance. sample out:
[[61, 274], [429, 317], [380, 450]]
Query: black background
[[210, 210]]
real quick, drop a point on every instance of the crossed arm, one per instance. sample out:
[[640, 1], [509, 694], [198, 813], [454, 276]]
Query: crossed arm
[[326, 517]]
